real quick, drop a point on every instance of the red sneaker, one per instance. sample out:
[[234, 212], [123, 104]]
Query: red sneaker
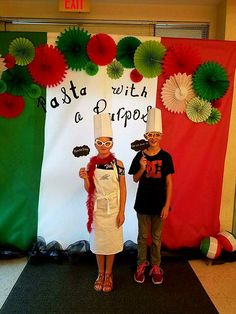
[[139, 276], [157, 275]]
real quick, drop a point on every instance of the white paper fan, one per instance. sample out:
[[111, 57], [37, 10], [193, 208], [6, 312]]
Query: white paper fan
[[176, 92]]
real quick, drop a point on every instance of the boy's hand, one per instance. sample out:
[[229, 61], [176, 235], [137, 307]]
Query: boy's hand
[[83, 173], [164, 212], [143, 162]]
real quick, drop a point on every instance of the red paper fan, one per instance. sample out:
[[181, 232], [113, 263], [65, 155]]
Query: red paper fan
[[216, 103], [48, 67], [11, 106], [135, 76], [101, 49], [9, 60], [180, 59]]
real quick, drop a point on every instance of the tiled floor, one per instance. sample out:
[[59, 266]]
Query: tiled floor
[[218, 280], [9, 272]]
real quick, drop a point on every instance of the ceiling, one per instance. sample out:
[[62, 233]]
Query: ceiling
[[175, 2]]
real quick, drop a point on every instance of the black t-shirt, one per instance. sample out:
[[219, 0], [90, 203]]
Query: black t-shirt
[[151, 192]]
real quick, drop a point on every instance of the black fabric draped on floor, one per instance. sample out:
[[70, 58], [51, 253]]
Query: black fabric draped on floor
[[67, 288]]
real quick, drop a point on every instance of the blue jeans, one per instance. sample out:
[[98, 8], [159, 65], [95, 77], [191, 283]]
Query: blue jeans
[[154, 224]]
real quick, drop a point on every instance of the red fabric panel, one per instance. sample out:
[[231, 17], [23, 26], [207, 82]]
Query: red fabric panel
[[198, 152]]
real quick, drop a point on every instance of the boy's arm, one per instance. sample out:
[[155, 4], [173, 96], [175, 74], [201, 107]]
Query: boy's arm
[[165, 210], [138, 175]]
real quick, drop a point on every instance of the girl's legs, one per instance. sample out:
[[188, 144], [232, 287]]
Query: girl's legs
[[109, 263], [108, 282], [100, 263], [98, 285]]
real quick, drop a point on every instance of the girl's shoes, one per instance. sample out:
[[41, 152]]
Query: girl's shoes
[[108, 283], [98, 285]]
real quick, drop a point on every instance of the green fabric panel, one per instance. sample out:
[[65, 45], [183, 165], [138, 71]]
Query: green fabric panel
[[21, 153]]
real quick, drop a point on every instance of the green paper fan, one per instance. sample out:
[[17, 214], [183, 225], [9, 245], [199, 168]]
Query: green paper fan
[[34, 91], [210, 81], [198, 110], [126, 48], [115, 70], [3, 87], [91, 68], [148, 57], [18, 80], [23, 50], [214, 117], [72, 43]]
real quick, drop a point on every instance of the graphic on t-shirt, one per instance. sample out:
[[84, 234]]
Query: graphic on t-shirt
[[153, 169]]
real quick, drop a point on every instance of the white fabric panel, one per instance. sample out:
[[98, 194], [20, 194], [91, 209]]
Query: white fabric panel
[[62, 201]]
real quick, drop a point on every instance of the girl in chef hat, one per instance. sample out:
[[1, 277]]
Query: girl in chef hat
[[104, 180]]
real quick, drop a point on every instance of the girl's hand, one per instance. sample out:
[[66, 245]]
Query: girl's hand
[[120, 219], [83, 173]]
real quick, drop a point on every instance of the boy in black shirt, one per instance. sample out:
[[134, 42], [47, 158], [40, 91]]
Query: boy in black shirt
[[153, 169]]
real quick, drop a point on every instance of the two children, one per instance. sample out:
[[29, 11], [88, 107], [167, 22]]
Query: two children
[[104, 181]]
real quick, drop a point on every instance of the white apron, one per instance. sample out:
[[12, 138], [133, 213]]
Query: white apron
[[106, 238]]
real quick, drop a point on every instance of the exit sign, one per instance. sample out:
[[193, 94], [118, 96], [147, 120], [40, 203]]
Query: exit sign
[[74, 5]]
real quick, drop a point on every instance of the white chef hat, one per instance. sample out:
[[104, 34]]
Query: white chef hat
[[102, 125], [154, 121]]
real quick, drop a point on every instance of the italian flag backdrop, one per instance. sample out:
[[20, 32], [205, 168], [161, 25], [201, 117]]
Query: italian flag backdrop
[[41, 193]]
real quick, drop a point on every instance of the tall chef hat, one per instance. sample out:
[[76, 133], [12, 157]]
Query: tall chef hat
[[154, 122], [102, 125]]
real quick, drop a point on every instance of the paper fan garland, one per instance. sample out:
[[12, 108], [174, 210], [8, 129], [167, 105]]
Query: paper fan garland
[[101, 49], [49, 67], [115, 70], [91, 68], [11, 106], [18, 80], [210, 81], [23, 50], [135, 76], [126, 48], [177, 92], [198, 110], [180, 59], [72, 43], [214, 117], [148, 58]]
